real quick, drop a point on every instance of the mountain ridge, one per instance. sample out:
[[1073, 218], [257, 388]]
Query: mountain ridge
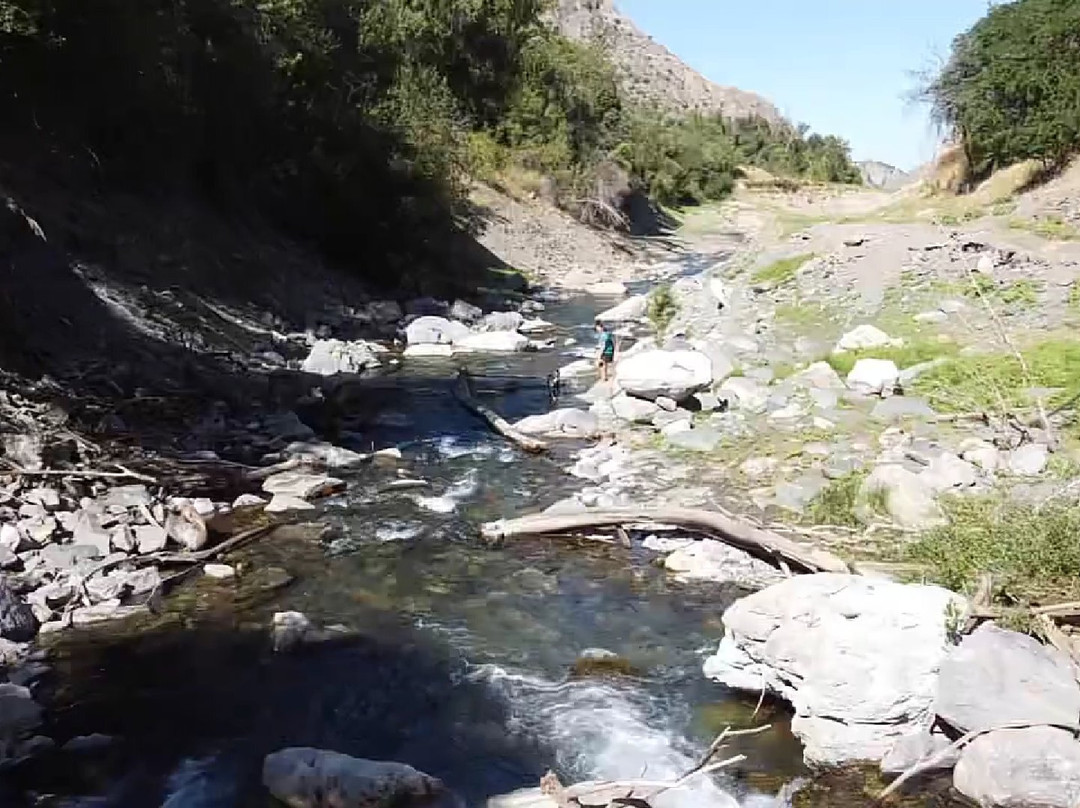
[[650, 72]]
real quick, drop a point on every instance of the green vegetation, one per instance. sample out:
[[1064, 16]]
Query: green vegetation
[[662, 309], [993, 382], [806, 315], [1032, 551], [780, 272], [836, 504], [1052, 228], [912, 352], [1074, 296], [1011, 88], [1022, 293], [353, 125]]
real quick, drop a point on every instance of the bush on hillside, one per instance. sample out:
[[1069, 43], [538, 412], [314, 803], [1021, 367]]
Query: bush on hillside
[[1011, 88]]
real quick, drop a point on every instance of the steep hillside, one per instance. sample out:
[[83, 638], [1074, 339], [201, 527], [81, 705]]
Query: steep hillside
[[882, 175], [650, 72]]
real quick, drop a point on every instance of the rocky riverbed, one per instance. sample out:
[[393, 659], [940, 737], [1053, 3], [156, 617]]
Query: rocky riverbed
[[783, 366]]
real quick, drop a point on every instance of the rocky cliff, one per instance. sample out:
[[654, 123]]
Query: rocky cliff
[[651, 73]]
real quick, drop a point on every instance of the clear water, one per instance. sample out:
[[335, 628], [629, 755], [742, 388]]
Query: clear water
[[463, 660]]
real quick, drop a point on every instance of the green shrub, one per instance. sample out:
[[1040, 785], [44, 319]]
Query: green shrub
[[1010, 90], [836, 504], [992, 381], [780, 272], [1030, 550], [913, 352], [662, 308]]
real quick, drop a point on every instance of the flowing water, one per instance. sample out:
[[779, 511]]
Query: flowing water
[[462, 667]]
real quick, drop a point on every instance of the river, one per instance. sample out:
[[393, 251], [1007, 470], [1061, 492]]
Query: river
[[462, 667]]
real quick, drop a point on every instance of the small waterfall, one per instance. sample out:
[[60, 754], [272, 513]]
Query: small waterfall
[[601, 732]]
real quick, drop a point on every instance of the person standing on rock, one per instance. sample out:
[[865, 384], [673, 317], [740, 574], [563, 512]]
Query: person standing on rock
[[605, 350]]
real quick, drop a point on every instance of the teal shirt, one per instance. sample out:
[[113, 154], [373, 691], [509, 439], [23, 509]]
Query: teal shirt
[[606, 343]]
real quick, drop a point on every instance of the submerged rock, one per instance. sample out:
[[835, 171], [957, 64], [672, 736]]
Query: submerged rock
[[315, 778], [599, 662], [856, 657]]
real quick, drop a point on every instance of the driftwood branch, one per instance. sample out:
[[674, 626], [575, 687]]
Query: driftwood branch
[[122, 473], [757, 541], [463, 393]]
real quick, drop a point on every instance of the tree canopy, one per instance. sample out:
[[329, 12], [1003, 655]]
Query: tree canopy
[[1010, 90]]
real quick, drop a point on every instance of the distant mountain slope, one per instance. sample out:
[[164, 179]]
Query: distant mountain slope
[[649, 71], [882, 175]]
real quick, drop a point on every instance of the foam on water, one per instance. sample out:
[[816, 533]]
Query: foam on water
[[601, 732]]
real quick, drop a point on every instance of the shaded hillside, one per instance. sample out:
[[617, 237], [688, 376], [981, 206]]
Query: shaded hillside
[[649, 72]]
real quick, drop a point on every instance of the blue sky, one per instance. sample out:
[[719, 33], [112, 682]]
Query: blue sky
[[841, 66]]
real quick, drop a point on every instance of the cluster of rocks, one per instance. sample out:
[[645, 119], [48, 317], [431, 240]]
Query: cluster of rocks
[[872, 673], [464, 328]]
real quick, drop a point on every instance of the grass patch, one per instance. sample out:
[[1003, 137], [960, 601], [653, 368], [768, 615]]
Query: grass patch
[[989, 382], [835, 505], [1032, 552], [805, 315], [780, 272], [662, 308], [1022, 293], [910, 353], [1074, 296], [1052, 228]]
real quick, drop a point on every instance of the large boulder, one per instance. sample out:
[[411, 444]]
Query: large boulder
[[502, 321], [819, 376], [314, 778], [874, 377], [566, 423], [493, 341], [331, 356], [1037, 767], [744, 393], [856, 657], [633, 308], [675, 374], [997, 677], [865, 337], [635, 410], [711, 560], [430, 330], [908, 498]]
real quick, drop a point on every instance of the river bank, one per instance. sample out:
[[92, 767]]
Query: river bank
[[456, 657]]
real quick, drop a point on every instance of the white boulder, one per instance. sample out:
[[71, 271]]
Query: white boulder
[[430, 330], [331, 356], [493, 341], [675, 374], [864, 337], [874, 377], [711, 560], [1036, 767], [856, 657], [908, 498], [566, 423], [633, 308]]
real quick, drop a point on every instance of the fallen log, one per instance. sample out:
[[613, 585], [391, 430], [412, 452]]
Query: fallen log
[[762, 543], [463, 393]]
